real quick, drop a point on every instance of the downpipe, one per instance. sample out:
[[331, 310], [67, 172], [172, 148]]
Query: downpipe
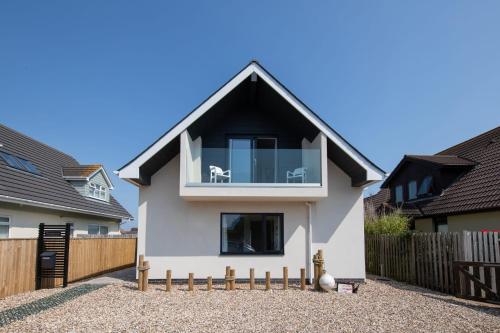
[[309, 243]]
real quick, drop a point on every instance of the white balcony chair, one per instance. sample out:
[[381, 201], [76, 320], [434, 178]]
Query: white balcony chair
[[216, 173], [297, 173]]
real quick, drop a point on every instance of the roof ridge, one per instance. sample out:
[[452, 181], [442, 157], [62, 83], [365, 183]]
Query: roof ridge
[[37, 141], [470, 139]]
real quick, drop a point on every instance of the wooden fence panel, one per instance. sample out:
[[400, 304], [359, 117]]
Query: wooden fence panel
[[106, 253], [426, 259], [87, 257], [17, 266]]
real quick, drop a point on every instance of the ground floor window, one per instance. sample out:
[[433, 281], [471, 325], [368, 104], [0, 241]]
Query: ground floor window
[[4, 226], [252, 233], [440, 223], [95, 229]]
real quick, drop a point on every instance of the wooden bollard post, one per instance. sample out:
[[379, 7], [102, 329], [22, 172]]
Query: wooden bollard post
[[268, 280], [232, 273], [285, 278], [139, 266], [168, 286], [190, 282], [145, 275], [228, 270], [315, 270], [252, 279], [321, 262], [302, 279], [209, 283]]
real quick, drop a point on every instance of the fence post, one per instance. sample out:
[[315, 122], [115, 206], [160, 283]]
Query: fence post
[[268, 280], [168, 286], [302, 279], [209, 283], [413, 261], [285, 278], [382, 254], [252, 279], [227, 277], [141, 273], [145, 275], [232, 273], [190, 282]]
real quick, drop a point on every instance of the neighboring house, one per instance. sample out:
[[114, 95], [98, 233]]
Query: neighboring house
[[39, 184], [456, 189], [132, 231], [251, 178]]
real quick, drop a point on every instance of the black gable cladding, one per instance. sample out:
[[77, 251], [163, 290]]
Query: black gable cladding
[[253, 108], [50, 187]]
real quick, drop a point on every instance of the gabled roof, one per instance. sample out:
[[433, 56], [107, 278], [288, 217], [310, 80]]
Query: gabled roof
[[50, 189], [131, 170], [479, 188], [441, 160], [85, 172], [445, 160], [82, 171]]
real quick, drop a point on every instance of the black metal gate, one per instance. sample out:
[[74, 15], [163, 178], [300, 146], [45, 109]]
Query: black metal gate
[[53, 240]]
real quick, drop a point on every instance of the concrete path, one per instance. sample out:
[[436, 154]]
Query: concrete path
[[124, 275]]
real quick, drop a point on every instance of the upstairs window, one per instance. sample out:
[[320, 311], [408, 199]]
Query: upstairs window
[[4, 226], [19, 163], [412, 190], [426, 186], [398, 192], [94, 229], [97, 191]]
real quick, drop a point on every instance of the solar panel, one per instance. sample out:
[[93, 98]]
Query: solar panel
[[19, 163]]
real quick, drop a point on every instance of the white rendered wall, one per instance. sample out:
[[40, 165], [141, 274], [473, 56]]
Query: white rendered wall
[[185, 236], [338, 227], [24, 221]]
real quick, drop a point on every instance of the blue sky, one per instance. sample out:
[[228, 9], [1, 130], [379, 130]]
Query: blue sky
[[101, 80]]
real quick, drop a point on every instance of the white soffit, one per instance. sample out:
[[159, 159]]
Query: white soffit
[[131, 170]]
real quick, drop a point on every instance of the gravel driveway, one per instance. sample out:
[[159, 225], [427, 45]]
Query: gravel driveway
[[379, 306]]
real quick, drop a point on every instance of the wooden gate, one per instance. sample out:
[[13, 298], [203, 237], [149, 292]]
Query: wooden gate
[[477, 281], [53, 238]]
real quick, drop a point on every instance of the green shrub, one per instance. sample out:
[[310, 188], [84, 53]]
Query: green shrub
[[393, 223]]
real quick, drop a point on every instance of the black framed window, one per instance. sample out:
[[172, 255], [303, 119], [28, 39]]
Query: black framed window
[[251, 233], [440, 223]]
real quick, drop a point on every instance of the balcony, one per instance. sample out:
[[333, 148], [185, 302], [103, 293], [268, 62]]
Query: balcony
[[252, 170]]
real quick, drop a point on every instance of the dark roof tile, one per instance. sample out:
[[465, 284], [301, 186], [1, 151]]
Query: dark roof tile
[[49, 188]]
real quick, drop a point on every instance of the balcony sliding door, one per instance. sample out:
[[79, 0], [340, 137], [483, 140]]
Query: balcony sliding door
[[264, 160], [253, 160], [240, 160]]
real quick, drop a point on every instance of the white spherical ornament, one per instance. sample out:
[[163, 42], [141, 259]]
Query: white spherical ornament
[[326, 281]]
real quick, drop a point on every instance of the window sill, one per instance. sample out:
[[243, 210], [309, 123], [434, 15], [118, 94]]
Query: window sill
[[253, 254]]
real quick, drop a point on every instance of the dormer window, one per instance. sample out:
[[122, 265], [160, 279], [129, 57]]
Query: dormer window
[[398, 191], [412, 190], [97, 191], [425, 187]]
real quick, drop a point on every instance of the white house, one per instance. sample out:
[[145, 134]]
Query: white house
[[251, 178], [39, 184]]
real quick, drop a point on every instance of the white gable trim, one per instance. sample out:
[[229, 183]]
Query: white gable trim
[[131, 171], [101, 169]]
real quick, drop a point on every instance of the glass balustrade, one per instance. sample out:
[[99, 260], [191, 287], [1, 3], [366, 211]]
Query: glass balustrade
[[241, 165]]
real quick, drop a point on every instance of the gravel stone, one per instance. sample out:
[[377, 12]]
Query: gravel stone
[[379, 306]]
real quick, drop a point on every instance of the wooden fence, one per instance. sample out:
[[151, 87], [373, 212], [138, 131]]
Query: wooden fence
[[426, 259], [87, 257]]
